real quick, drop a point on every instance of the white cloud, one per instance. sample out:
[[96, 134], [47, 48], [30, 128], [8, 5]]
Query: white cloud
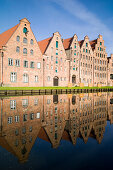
[[94, 24]]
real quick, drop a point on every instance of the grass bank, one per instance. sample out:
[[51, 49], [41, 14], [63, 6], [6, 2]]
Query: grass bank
[[41, 88]]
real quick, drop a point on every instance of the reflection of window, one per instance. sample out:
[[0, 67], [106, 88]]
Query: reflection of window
[[25, 102], [36, 102], [16, 119], [9, 120], [13, 104], [55, 99], [32, 116], [73, 100], [38, 115], [25, 117]]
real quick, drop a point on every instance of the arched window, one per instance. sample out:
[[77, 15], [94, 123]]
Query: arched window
[[31, 42], [31, 52], [25, 40], [18, 38], [25, 51], [25, 78], [17, 49]]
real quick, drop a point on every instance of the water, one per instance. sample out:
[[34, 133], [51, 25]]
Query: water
[[57, 132]]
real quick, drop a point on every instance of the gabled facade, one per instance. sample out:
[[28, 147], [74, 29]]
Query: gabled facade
[[55, 63], [72, 49], [86, 63], [21, 60], [110, 70], [100, 62]]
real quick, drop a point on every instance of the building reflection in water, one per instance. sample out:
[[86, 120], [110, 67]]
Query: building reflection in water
[[52, 118]]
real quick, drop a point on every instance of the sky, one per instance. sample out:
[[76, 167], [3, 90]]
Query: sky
[[68, 17]]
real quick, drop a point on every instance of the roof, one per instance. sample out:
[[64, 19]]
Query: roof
[[44, 44], [80, 43], [67, 43], [5, 36], [93, 43]]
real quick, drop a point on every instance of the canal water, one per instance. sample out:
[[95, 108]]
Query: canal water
[[68, 131]]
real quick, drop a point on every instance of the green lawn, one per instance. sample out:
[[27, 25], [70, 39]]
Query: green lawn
[[39, 88]]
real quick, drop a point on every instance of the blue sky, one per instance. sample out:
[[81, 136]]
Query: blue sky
[[69, 17]]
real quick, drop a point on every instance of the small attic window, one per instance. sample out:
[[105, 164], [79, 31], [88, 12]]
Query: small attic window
[[24, 30], [25, 24], [18, 38], [31, 42], [57, 38]]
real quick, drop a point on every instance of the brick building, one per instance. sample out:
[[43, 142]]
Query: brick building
[[52, 61], [21, 60], [99, 62], [55, 63], [110, 70]]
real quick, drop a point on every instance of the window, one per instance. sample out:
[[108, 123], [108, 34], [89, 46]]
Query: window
[[51, 58], [86, 44], [100, 49], [36, 78], [25, 78], [16, 119], [13, 77], [25, 51], [9, 120], [56, 51], [31, 42], [25, 117], [48, 78], [12, 104], [32, 64], [18, 38], [56, 69], [56, 44], [86, 50], [31, 52], [56, 60], [25, 102], [24, 30], [38, 115], [17, 49], [25, 40], [26, 64], [10, 62], [36, 102], [17, 63], [38, 65], [100, 43], [111, 76]]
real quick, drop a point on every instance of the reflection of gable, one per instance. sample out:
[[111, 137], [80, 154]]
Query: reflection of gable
[[43, 135], [4, 144]]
